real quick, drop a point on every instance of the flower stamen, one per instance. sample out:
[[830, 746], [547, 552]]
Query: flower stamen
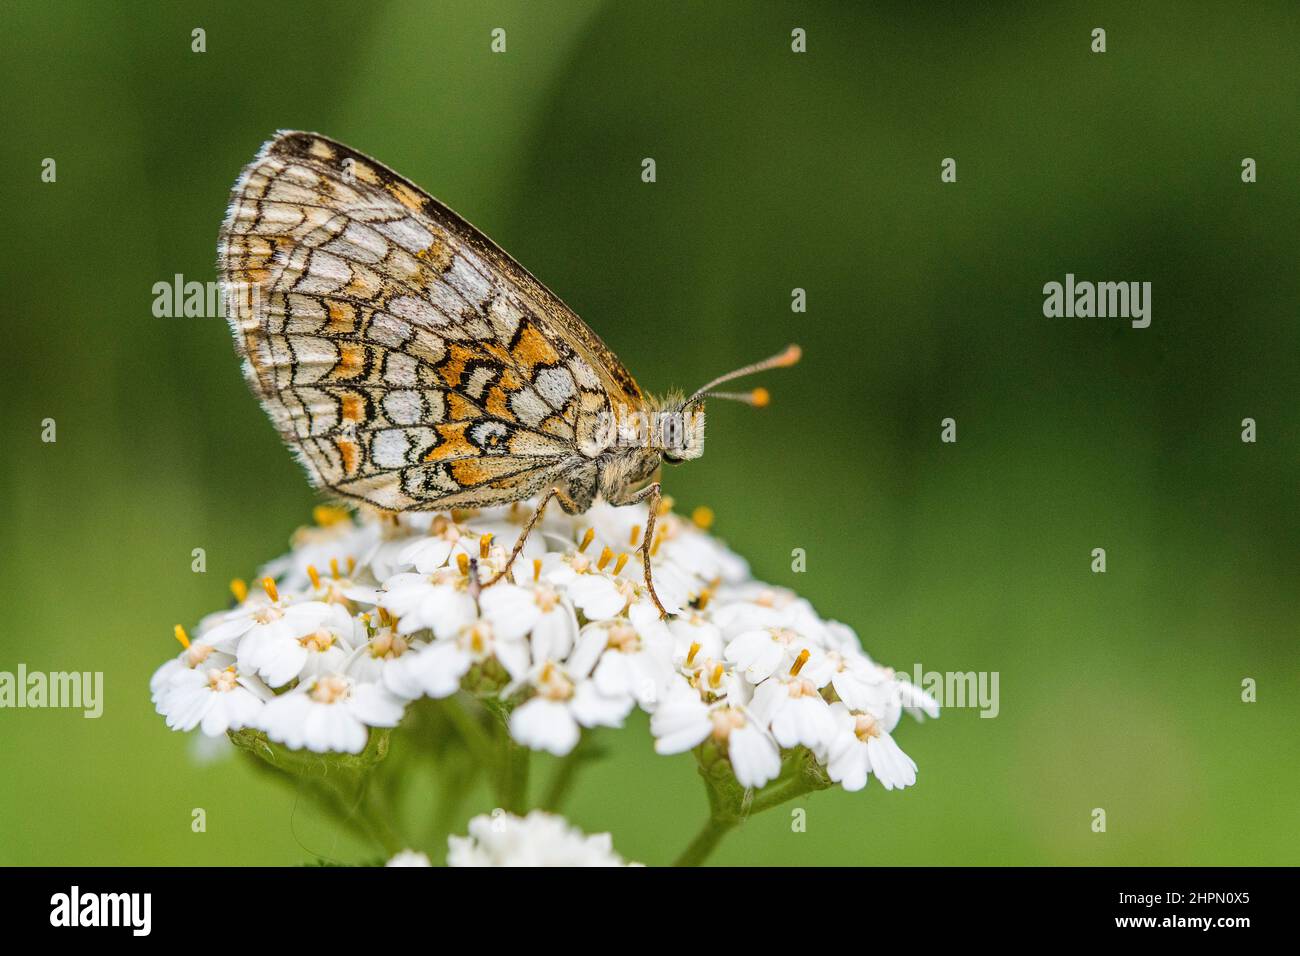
[[329, 690], [223, 681]]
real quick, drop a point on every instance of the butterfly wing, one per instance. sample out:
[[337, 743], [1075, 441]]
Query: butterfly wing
[[407, 360]]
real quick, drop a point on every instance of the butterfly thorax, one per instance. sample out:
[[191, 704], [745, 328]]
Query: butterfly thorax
[[623, 473]]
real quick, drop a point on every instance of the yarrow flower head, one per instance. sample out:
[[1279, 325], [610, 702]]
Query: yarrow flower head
[[372, 615], [539, 839]]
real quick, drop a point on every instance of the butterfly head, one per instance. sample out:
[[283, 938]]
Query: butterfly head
[[681, 429], [685, 440]]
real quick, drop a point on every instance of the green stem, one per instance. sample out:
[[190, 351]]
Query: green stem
[[471, 730], [356, 813], [705, 841], [565, 774], [727, 801], [512, 776], [507, 761], [787, 791], [376, 813], [457, 781]]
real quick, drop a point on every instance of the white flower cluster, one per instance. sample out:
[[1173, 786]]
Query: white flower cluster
[[539, 839], [364, 616]]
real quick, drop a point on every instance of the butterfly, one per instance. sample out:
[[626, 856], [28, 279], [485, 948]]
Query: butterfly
[[411, 364]]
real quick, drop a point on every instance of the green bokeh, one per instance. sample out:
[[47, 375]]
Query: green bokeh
[[775, 170]]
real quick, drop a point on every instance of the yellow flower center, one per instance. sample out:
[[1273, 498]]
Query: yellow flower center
[[623, 637], [552, 684], [865, 727], [387, 645], [479, 637], [197, 654], [725, 720], [801, 687], [318, 641], [546, 598], [329, 690], [223, 681], [265, 615]]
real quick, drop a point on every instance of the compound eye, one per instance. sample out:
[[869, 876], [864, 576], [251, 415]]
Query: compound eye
[[674, 435]]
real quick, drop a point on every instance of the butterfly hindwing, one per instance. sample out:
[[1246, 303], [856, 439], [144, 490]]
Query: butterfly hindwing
[[407, 360]]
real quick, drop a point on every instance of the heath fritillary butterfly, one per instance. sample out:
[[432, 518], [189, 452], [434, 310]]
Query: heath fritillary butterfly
[[411, 364]]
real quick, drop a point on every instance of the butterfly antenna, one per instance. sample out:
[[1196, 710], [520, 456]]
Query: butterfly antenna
[[759, 396]]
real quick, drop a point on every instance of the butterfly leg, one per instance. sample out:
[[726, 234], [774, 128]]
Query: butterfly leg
[[523, 536], [651, 494]]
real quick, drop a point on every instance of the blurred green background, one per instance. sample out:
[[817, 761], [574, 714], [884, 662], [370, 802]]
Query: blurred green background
[[775, 171]]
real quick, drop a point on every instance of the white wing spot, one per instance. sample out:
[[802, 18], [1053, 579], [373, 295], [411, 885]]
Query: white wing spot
[[555, 385], [417, 310], [403, 407], [407, 233], [389, 447]]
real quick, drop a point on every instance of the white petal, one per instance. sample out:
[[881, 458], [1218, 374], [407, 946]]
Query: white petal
[[892, 767], [592, 708], [427, 554], [597, 596], [511, 610], [848, 764], [513, 656], [754, 758], [375, 706], [680, 723], [591, 644], [438, 667], [543, 724], [448, 611], [756, 654], [555, 633]]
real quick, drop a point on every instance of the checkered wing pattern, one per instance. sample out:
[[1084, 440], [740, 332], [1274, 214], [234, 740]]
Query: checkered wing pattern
[[407, 360]]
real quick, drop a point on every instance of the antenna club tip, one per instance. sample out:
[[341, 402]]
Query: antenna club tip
[[791, 355], [760, 397]]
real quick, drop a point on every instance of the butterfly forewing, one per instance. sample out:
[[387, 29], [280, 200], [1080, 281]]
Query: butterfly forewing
[[408, 361]]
